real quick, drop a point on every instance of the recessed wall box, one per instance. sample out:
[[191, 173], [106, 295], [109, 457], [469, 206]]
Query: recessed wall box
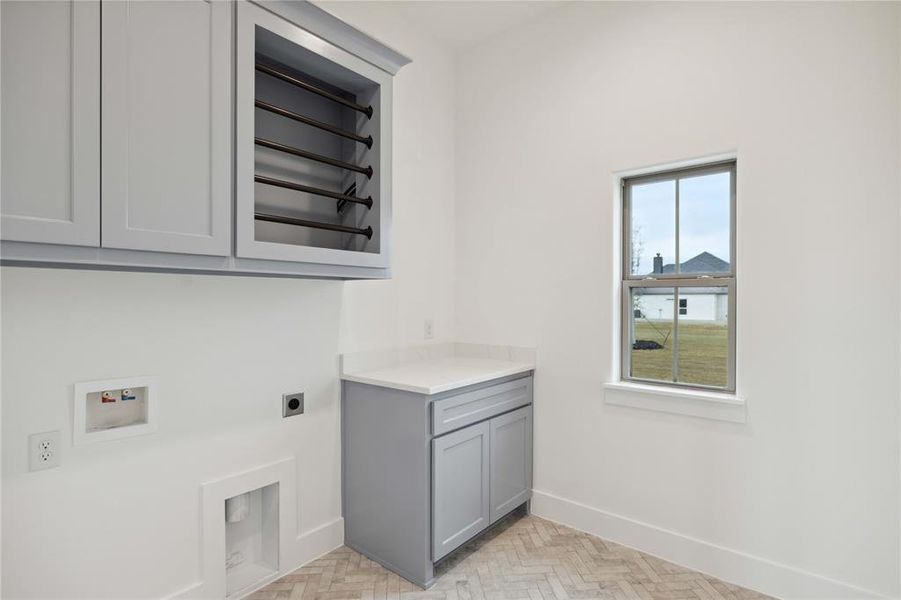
[[251, 541], [114, 409], [247, 538]]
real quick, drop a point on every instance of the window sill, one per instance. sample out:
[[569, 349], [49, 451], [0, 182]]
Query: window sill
[[693, 403]]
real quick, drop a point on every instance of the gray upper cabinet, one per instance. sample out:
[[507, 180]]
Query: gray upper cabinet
[[50, 130], [166, 142], [195, 136], [511, 461], [460, 480], [313, 146]]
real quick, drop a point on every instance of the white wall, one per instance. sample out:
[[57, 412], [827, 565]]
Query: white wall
[[807, 94], [394, 311], [122, 519]]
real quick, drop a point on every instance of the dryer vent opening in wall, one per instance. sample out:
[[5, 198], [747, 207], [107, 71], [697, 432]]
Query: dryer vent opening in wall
[[251, 538], [247, 537]]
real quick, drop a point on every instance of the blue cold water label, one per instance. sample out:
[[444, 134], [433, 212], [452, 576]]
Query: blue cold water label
[[127, 396]]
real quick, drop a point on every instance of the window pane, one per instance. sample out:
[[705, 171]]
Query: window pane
[[703, 334], [651, 334], [704, 205], [652, 208]]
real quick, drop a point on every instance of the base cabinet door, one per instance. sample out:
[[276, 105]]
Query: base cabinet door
[[50, 130], [460, 479], [511, 461], [166, 126]]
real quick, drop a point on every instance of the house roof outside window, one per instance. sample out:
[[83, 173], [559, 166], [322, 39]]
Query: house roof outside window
[[704, 262]]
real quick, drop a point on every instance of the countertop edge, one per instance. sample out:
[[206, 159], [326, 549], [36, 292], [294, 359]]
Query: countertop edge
[[437, 389]]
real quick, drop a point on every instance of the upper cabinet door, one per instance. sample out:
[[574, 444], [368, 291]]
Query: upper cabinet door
[[166, 135], [50, 168]]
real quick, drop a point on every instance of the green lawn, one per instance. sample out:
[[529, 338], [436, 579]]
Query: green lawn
[[703, 352]]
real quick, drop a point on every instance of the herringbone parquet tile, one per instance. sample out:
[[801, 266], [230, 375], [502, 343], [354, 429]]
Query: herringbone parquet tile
[[523, 558]]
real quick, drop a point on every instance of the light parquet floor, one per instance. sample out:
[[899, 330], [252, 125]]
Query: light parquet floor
[[524, 558]]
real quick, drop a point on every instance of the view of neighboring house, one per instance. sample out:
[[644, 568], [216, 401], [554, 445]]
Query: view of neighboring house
[[695, 304], [704, 262]]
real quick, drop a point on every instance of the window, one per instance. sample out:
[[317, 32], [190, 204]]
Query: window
[[679, 277]]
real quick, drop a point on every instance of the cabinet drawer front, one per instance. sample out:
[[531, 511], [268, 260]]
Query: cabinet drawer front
[[471, 407]]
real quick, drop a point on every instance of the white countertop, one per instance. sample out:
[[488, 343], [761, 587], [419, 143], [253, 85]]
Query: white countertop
[[432, 376]]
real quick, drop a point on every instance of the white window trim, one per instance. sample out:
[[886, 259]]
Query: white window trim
[[720, 406]]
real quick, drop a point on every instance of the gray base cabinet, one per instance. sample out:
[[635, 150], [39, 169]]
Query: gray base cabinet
[[422, 475]]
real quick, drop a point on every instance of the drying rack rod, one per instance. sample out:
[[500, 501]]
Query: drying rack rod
[[314, 224], [367, 141], [367, 171], [366, 110], [289, 185]]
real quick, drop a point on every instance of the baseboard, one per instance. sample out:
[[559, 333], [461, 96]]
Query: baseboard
[[753, 572], [317, 542], [189, 591], [310, 546]]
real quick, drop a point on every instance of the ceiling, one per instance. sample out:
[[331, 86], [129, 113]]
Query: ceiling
[[463, 23]]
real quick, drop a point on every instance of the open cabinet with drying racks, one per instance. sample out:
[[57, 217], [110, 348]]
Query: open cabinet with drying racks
[[313, 148], [255, 140]]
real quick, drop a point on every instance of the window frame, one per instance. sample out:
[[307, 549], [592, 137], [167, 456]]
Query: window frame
[[676, 280]]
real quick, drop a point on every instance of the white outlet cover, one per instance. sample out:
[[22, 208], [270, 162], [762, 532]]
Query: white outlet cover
[[44, 450]]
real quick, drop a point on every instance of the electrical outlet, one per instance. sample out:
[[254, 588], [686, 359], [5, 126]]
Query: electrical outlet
[[292, 404], [43, 450], [429, 329]]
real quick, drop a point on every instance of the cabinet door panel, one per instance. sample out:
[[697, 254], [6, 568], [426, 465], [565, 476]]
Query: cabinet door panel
[[511, 461], [50, 168], [166, 144], [459, 487]]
